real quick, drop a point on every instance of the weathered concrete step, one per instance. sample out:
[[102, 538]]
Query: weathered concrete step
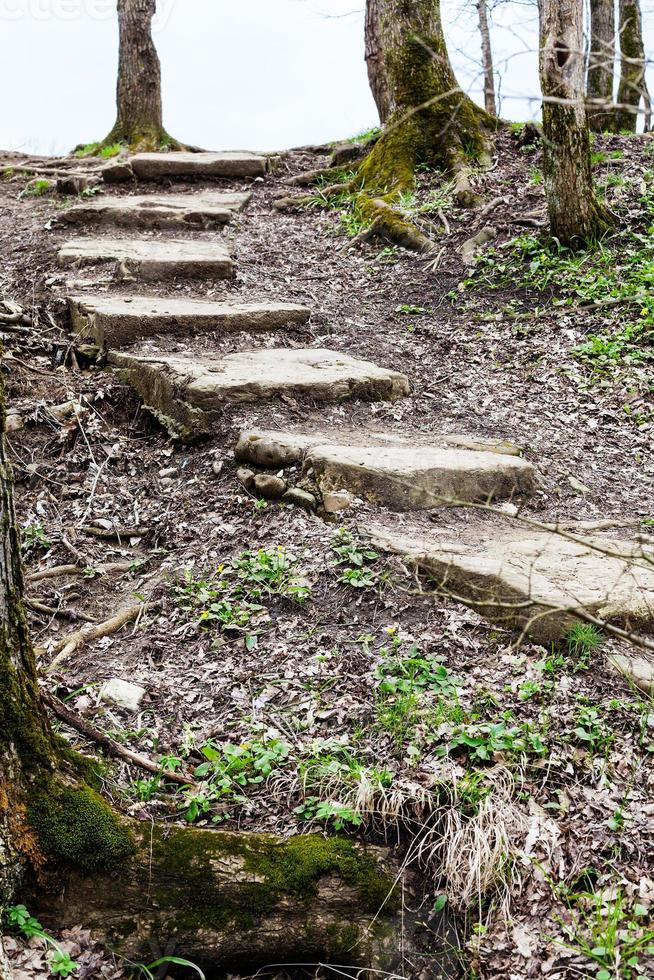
[[186, 390], [390, 470], [534, 581], [114, 321], [206, 210], [143, 259], [155, 166]]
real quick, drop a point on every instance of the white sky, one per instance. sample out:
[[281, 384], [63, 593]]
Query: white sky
[[259, 74]]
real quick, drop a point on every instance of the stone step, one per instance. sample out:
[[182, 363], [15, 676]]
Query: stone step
[[186, 390], [533, 581], [155, 166], [143, 259], [400, 473], [114, 321], [206, 210]]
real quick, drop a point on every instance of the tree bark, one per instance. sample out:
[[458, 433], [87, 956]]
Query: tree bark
[[632, 86], [599, 85], [430, 120], [218, 898], [139, 120], [487, 59], [375, 61], [575, 214]]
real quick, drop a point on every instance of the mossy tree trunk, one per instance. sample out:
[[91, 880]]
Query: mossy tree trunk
[[375, 60], [219, 898], [575, 214], [601, 63], [487, 58], [26, 742], [139, 118], [430, 119], [632, 87]]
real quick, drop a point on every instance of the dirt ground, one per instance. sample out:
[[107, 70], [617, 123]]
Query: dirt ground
[[306, 674]]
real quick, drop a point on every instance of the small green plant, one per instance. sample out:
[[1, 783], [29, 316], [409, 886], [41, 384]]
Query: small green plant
[[149, 970], [18, 918], [482, 742], [582, 640], [227, 771], [351, 553], [338, 815], [410, 309], [107, 152], [591, 729], [271, 572], [89, 150], [535, 176], [34, 538], [37, 188], [367, 134], [614, 938]]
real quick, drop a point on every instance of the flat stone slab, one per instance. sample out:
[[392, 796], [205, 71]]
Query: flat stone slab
[[114, 321], [387, 469], [206, 210], [142, 259], [534, 581], [186, 390], [153, 166]]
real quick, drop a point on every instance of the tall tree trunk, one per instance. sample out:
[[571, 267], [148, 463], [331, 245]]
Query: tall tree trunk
[[219, 897], [487, 59], [575, 214], [632, 85], [430, 120], [375, 61], [139, 120], [599, 85]]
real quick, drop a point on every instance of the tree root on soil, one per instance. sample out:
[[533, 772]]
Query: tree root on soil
[[114, 748], [66, 647]]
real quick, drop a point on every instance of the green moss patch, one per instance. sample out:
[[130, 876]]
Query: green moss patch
[[77, 828]]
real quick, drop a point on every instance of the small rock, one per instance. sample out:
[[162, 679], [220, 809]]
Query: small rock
[[217, 467], [335, 500], [13, 423], [122, 693], [245, 476], [169, 471], [300, 498], [117, 171], [270, 487], [167, 481]]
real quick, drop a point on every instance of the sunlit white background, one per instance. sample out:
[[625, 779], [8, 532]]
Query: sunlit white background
[[260, 74]]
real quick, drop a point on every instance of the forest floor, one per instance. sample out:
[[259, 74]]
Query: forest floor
[[294, 696]]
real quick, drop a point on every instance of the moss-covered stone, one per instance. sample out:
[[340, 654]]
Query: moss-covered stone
[[76, 828]]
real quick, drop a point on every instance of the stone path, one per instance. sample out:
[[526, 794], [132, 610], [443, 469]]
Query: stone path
[[154, 260], [534, 581], [114, 321], [205, 210]]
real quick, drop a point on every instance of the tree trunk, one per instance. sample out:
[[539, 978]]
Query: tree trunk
[[575, 214], [218, 897], [487, 59], [430, 120], [599, 85], [632, 85], [139, 121], [375, 61]]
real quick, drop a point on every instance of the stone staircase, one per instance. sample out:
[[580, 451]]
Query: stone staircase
[[530, 579]]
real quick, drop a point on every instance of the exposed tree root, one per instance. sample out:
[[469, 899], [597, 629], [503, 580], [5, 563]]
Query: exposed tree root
[[58, 571], [309, 177], [114, 748], [388, 223], [66, 648]]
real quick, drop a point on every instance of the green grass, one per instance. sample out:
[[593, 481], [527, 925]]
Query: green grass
[[620, 268], [98, 150], [37, 188]]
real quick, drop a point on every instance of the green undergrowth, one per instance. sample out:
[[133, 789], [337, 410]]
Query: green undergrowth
[[100, 150], [617, 274], [233, 597]]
